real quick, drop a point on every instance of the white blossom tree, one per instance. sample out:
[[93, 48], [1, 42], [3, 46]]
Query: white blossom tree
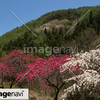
[[89, 80]]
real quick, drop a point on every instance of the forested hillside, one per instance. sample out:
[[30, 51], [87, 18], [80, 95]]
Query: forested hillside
[[51, 30]]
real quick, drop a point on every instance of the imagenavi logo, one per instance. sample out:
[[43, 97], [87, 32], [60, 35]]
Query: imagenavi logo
[[11, 94]]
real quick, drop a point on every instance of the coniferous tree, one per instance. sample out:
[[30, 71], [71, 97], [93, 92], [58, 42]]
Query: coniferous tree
[[91, 17], [45, 31]]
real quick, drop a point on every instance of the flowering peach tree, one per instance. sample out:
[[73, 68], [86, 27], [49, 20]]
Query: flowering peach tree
[[48, 72], [12, 64]]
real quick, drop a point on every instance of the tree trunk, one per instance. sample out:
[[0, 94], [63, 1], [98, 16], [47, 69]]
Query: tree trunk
[[11, 85], [56, 97], [2, 84], [58, 89]]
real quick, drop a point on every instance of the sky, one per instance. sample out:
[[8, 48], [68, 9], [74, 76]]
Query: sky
[[28, 10]]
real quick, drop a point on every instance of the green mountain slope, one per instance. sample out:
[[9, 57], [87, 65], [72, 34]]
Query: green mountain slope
[[51, 27], [69, 14]]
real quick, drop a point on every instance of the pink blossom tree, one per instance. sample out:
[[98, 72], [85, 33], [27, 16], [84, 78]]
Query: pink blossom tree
[[48, 72], [12, 64]]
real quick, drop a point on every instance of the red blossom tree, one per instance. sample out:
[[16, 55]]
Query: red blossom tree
[[12, 64], [48, 72]]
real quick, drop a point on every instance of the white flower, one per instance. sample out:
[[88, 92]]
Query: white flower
[[90, 64]]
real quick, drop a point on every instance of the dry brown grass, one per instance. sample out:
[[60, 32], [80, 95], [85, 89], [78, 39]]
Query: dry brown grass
[[39, 96]]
